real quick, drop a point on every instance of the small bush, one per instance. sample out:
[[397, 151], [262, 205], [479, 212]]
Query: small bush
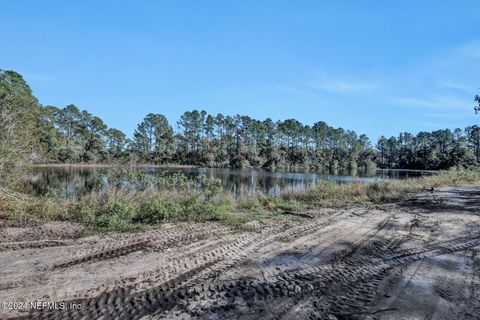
[[113, 216], [158, 210]]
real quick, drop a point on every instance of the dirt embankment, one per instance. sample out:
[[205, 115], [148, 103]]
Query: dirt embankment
[[419, 259]]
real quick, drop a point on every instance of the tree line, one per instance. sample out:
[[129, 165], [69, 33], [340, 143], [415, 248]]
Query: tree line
[[39, 133]]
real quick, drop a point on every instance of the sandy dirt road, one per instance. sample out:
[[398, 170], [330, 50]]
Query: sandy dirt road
[[418, 259]]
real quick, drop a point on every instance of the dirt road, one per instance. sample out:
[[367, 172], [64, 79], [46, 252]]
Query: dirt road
[[419, 259]]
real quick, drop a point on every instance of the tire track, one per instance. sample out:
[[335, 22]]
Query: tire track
[[357, 276], [368, 245], [105, 254], [156, 241], [165, 293]]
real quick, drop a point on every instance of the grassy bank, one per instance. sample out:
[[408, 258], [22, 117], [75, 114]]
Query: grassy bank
[[174, 198], [332, 194]]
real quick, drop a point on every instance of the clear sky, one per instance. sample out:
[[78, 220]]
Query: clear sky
[[377, 67]]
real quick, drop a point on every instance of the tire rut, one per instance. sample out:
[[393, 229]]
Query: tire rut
[[353, 281], [163, 293], [105, 254]]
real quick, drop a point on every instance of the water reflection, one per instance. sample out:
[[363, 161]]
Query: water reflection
[[69, 181]]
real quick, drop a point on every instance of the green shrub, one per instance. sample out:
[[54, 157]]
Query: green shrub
[[158, 210], [113, 217]]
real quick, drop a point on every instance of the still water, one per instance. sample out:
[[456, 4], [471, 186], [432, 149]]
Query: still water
[[70, 181]]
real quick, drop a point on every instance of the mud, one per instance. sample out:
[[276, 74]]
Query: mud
[[418, 259]]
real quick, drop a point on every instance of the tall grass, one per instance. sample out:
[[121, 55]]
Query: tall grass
[[334, 194], [173, 198], [132, 200]]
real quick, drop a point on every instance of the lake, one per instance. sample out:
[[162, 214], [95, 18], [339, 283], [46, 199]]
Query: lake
[[70, 181]]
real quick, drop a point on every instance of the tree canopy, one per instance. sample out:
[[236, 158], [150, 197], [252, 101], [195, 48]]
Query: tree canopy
[[19, 111], [29, 131]]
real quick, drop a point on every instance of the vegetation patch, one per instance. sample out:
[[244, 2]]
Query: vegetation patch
[[124, 207], [333, 194]]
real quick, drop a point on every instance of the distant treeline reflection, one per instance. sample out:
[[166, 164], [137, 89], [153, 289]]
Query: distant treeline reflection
[[71, 181]]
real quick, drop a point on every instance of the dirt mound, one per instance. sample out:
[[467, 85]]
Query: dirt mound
[[27, 230]]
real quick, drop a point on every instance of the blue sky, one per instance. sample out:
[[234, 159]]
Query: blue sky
[[377, 67]]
